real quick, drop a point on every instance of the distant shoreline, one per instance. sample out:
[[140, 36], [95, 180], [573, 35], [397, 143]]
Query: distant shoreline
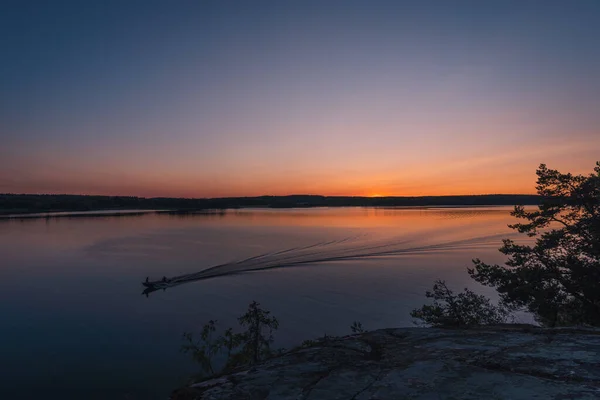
[[44, 206]]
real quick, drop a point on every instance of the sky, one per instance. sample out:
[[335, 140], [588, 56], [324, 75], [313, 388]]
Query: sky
[[242, 98]]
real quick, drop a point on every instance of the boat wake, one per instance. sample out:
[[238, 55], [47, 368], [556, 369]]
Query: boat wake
[[350, 248]]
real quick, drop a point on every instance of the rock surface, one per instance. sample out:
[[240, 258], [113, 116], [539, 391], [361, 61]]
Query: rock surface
[[423, 363]]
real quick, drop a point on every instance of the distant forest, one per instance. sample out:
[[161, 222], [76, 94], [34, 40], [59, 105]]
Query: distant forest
[[33, 203]]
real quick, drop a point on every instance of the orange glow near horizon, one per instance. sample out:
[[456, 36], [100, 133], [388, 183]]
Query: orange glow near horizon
[[418, 168], [515, 175], [509, 171]]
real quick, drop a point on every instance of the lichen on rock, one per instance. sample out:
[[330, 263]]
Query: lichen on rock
[[423, 363]]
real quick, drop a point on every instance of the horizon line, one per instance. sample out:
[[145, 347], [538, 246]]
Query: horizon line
[[271, 195]]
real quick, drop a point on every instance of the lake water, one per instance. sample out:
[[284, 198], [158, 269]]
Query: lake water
[[74, 324]]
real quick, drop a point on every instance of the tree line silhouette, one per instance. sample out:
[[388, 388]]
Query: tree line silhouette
[[28, 203]]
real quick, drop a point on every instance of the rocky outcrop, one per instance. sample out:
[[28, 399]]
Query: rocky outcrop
[[423, 363]]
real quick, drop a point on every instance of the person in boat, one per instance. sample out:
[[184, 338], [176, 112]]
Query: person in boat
[[147, 279], [164, 279]]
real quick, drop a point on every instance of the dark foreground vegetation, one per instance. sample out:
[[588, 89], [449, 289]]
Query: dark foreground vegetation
[[234, 349], [557, 279], [34, 203], [250, 344]]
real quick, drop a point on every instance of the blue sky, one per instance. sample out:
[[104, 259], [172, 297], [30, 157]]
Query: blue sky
[[200, 98]]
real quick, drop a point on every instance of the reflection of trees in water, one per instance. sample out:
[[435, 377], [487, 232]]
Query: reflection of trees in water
[[76, 216], [184, 214], [111, 215], [456, 213]]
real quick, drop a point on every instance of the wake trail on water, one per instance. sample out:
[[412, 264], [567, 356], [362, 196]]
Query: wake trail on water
[[350, 248]]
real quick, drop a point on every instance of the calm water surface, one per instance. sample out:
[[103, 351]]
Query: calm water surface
[[74, 324]]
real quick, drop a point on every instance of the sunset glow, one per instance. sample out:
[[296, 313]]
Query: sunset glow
[[369, 98]]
